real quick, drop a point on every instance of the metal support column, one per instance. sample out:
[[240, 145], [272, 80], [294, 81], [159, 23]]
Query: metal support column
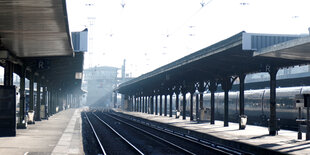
[[31, 83], [135, 104], [131, 103], [38, 104], [212, 88], [165, 106], [8, 73], [197, 107], [44, 102], [226, 86], [22, 124], [192, 90], [58, 101], [48, 94], [54, 101], [146, 105], [308, 119], [62, 99], [184, 105], [115, 99], [51, 102], [177, 103], [160, 105], [273, 117], [170, 104], [201, 89], [156, 105], [241, 98], [152, 104], [142, 104], [191, 107], [138, 103], [177, 94], [48, 101]]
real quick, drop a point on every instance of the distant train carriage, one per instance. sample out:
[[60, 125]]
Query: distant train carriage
[[256, 105]]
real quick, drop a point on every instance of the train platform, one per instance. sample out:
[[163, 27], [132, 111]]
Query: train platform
[[60, 134], [253, 137]]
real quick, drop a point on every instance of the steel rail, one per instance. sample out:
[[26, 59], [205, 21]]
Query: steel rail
[[157, 137], [134, 147], [94, 132], [211, 145]]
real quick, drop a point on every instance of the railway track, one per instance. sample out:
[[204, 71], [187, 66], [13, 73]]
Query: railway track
[[109, 140], [206, 143], [184, 144]]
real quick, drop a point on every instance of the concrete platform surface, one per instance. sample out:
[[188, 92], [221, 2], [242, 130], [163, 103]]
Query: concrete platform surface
[[61, 134], [285, 142]]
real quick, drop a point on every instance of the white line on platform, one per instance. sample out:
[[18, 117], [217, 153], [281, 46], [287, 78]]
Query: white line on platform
[[63, 145]]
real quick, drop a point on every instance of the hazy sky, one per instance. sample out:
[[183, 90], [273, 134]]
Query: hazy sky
[[152, 33]]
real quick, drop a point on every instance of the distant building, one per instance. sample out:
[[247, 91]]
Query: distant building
[[100, 82]]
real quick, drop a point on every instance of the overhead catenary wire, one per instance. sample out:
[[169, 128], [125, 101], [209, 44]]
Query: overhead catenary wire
[[203, 5]]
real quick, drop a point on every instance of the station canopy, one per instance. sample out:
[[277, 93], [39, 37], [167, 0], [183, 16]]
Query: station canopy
[[230, 57], [35, 34]]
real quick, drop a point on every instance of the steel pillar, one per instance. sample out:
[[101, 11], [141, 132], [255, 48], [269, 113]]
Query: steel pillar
[[143, 104], [156, 105], [191, 107], [152, 104], [160, 105], [115, 99], [140, 103], [44, 102], [192, 90], [135, 104], [61, 103], [201, 89], [177, 104], [184, 105], [197, 107], [273, 117], [131, 103], [22, 124], [308, 120], [241, 98], [8, 73], [38, 104], [165, 106], [52, 101], [146, 105], [177, 95], [170, 104], [226, 86], [58, 100], [55, 101], [31, 83], [212, 88], [137, 100], [49, 102]]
